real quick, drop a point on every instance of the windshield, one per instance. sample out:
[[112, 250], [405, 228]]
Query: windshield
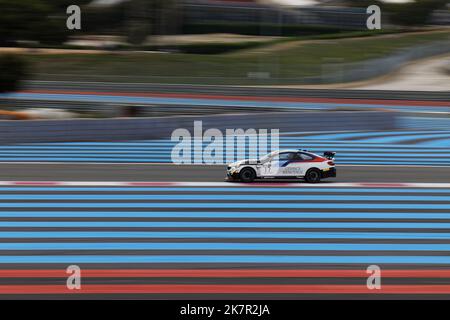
[[268, 156]]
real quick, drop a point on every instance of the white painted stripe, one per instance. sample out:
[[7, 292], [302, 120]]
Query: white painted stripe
[[222, 184]]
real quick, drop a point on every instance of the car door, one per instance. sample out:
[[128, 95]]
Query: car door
[[298, 165], [276, 166]]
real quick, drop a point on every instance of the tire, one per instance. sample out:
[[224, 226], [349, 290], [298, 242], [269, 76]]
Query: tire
[[313, 176], [247, 175]]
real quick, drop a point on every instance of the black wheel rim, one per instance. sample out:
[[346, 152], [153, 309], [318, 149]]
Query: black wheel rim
[[313, 176]]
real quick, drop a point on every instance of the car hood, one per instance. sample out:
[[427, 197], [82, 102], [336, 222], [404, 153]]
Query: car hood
[[242, 162]]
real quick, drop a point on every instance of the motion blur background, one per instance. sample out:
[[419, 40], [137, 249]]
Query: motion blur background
[[99, 105], [220, 42], [321, 44], [142, 58]]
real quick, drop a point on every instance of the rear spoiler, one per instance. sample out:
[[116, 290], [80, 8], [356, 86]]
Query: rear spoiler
[[329, 155]]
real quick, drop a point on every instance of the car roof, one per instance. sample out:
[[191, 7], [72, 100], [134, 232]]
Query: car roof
[[293, 150]]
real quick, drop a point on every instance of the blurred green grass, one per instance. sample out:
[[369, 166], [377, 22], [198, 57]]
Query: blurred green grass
[[285, 61]]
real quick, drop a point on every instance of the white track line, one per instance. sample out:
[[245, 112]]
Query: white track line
[[220, 184]]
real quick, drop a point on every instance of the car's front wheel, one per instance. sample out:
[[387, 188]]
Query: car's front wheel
[[313, 176], [247, 175]]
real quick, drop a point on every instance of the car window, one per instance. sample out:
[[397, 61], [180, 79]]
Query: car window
[[269, 156], [286, 156], [305, 157]]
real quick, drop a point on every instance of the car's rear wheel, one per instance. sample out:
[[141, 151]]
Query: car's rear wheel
[[247, 175], [313, 176]]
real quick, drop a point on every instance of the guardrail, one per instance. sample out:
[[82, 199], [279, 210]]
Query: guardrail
[[154, 128], [237, 90], [111, 110]]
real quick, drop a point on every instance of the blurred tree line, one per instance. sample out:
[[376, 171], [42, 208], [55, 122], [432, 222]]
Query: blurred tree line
[[44, 21], [12, 69], [414, 13]]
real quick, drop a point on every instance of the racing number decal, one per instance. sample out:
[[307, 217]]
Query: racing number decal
[[267, 169], [271, 169], [275, 169]]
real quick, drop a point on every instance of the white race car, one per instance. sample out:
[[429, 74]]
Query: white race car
[[284, 164]]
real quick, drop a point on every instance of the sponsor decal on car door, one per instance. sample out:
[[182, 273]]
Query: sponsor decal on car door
[[298, 164], [270, 168], [276, 167]]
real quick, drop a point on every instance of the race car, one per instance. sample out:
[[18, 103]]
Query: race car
[[284, 164]]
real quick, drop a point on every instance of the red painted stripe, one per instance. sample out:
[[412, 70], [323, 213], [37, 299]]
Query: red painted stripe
[[222, 273], [227, 289], [317, 159], [249, 98], [384, 185], [151, 184], [266, 184]]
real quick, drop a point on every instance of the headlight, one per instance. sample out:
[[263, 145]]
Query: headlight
[[233, 169]]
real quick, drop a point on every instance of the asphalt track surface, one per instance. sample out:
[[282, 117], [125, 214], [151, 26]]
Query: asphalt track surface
[[205, 239], [189, 173]]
